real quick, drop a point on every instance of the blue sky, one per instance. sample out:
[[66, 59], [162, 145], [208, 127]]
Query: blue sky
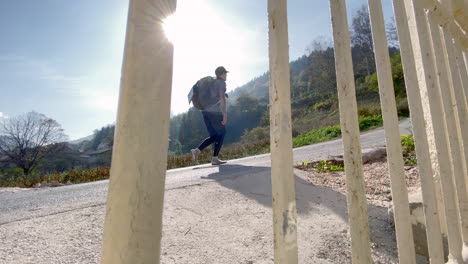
[[63, 58]]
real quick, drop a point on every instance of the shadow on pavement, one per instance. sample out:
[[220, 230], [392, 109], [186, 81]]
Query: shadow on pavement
[[255, 183]]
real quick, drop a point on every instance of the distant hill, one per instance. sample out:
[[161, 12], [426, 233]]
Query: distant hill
[[87, 152], [257, 87], [314, 104], [314, 99], [80, 140]]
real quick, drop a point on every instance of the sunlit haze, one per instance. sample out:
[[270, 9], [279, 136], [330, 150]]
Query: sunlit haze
[[64, 58], [203, 42]]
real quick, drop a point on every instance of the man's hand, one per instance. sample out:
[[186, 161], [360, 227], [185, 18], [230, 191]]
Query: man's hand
[[224, 122], [223, 106]]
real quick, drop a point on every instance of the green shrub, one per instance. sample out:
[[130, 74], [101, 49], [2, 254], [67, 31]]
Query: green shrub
[[331, 132], [255, 135], [370, 122], [324, 166], [81, 176], [320, 166], [369, 110], [409, 150], [403, 107], [10, 177], [317, 135], [14, 173], [372, 82], [15, 179], [322, 106], [326, 105], [233, 151]]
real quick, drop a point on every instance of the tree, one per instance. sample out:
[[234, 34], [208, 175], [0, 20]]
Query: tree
[[322, 75], [397, 75], [320, 43], [103, 137], [29, 138], [392, 33], [361, 37], [246, 102]]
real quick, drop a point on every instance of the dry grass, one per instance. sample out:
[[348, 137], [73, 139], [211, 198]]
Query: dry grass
[[376, 177]]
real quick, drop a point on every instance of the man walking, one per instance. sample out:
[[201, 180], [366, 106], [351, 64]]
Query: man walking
[[215, 117]]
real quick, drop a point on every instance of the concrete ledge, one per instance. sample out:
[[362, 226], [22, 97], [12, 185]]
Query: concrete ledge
[[419, 225]]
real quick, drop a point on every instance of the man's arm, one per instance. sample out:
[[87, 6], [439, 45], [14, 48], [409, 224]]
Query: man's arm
[[223, 106]]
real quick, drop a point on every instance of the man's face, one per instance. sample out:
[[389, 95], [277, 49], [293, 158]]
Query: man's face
[[223, 76]]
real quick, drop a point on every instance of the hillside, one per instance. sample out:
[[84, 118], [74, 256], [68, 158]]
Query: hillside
[[314, 109], [314, 102]]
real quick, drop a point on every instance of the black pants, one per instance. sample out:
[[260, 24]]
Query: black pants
[[216, 129]]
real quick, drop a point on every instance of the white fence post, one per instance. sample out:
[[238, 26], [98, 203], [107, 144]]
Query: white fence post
[[446, 21], [133, 223], [442, 15], [283, 185], [433, 228], [461, 94], [465, 57], [455, 93], [463, 69], [461, 114], [425, 66], [451, 117], [404, 232], [356, 192]]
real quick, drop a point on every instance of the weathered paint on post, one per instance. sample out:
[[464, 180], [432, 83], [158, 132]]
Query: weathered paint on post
[[431, 4], [455, 61], [463, 90], [457, 69], [457, 103], [444, 17], [465, 57], [441, 13], [459, 95], [404, 232], [450, 116], [425, 66], [133, 223], [283, 189], [463, 73], [433, 228], [460, 13], [357, 204]]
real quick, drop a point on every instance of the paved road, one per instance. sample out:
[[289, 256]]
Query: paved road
[[34, 203]]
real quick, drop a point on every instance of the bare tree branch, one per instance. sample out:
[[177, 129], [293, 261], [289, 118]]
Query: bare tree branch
[[29, 138], [392, 34], [361, 37]]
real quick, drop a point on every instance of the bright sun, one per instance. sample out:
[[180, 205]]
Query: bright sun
[[203, 39], [170, 27]]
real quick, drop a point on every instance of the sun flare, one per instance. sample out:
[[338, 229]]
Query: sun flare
[[204, 37], [170, 27]]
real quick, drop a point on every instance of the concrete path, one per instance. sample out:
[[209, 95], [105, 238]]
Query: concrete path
[[211, 215]]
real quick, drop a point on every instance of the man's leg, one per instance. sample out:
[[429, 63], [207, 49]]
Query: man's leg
[[218, 143], [220, 132], [207, 141], [211, 127]]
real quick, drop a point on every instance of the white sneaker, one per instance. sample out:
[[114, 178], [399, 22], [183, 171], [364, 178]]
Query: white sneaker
[[195, 153], [217, 161]]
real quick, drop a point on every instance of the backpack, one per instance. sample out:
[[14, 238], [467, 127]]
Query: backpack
[[199, 94]]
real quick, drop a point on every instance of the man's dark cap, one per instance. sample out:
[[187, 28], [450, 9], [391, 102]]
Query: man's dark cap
[[220, 70]]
